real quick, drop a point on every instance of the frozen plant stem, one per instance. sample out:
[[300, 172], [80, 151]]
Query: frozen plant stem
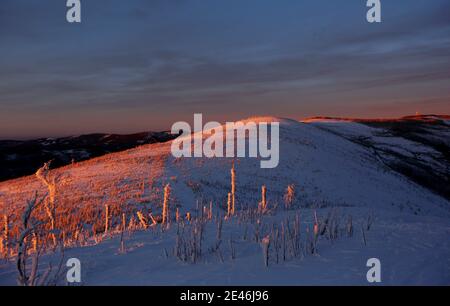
[[29, 227], [289, 196], [35, 242], [363, 235], [142, 220], [265, 244], [263, 198], [122, 244], [42, 175], [210, 212], [232, 249], [106, 219], [166, 204], [350, 227], [219, 230], [229, 205], [315, 233], [4, 245], [233, 190]]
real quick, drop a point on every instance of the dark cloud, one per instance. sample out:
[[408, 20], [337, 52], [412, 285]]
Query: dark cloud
[[181, 56]]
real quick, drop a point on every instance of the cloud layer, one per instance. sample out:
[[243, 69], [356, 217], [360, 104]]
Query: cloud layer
[[139, 65]]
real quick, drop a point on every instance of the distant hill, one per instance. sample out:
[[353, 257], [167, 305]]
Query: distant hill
[[20, 158], [423, 154]]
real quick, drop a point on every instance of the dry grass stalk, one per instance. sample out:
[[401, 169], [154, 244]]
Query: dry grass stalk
[[143, 220], [363, 235], [124, 221], [188, 245], [76, 235], [316, 224], [29, 227], [132, 224], [289, 196], [315, 234], [154, 222], [219, 230]]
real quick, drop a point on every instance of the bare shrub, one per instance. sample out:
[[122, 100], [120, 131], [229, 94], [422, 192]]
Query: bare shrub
[[30, 227], [50, 205], [189, 240]]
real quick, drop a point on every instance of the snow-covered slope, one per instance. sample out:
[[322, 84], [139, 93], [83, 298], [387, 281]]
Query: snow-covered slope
[[329, 169], [410, 231]]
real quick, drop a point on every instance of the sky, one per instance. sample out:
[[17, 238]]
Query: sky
[[141, 65]]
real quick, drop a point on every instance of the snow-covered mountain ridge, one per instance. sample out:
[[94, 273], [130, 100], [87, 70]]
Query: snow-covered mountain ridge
[[335, 173]]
